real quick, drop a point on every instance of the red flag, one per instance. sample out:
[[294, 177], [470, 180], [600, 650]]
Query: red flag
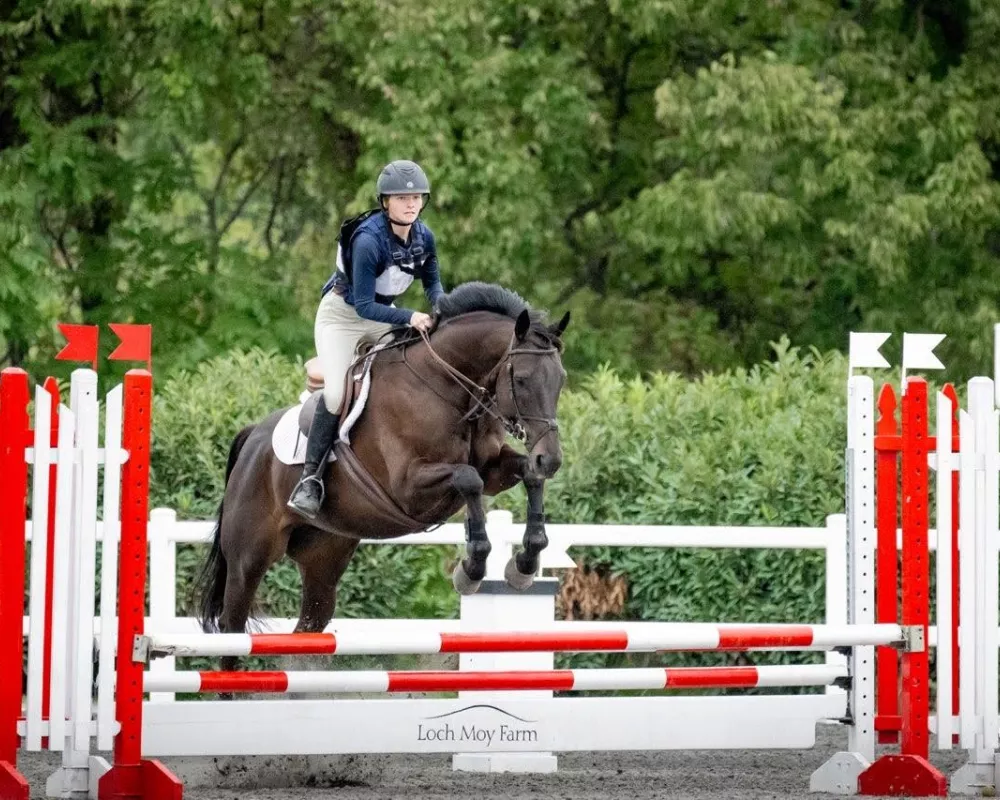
[[81, 343], [136, 343]]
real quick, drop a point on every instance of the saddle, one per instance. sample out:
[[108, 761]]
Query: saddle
[[354, 382], [357, 381]]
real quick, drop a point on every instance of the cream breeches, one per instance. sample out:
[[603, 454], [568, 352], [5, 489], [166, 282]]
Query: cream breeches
[[337, 331]]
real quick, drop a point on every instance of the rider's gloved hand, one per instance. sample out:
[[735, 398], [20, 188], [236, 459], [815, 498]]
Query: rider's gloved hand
[[421, 321]]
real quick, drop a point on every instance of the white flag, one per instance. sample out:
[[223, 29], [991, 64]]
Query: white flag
[[918, 350], [864, 352]]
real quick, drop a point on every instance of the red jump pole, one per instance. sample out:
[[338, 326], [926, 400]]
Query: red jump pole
[[15, 436], [132, 777], [910, 773]]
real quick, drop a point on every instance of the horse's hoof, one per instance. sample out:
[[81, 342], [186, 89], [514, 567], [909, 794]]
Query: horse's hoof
[[462, 582], [515, 579]]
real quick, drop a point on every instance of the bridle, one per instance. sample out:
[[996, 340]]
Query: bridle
[[487, 402], [515, 427]]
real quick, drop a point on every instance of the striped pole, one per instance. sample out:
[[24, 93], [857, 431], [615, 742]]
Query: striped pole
[[568, 680], [648, 637]]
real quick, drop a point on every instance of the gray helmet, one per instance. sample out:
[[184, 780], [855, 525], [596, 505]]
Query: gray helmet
[[402, 177]]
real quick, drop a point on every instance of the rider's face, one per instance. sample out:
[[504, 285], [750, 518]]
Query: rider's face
[[404, 207]]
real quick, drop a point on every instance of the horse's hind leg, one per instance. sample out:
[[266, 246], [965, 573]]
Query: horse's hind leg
[[322, 559], [243, 579]]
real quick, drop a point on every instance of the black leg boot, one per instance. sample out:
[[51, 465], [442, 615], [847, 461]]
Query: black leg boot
[[308, 494]]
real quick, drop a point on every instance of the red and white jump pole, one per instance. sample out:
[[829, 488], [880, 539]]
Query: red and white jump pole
[[663, 637], [558, 680]]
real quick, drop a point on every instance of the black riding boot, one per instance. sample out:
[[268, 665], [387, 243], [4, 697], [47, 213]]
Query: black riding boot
[[308, 494]]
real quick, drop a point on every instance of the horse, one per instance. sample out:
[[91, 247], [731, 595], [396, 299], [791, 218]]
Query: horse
[[431, 438]]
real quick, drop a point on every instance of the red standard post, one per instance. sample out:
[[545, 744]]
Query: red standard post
[[15, 433], [952, 395], [132, 777], [887, 447], [909, 773]]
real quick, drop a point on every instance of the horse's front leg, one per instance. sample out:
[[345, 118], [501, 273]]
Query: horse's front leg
[[426, 485], [502, 473], [471, 570], [521, 569]]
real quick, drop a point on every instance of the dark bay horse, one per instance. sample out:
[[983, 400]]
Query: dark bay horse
[[432, 436]]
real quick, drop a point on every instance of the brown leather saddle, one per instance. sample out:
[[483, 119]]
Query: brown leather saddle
[[400, 338]]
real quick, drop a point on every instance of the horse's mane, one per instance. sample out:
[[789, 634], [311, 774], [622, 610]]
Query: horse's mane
[[479, 296]]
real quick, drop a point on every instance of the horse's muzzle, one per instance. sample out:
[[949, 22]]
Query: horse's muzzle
[[545, 464]]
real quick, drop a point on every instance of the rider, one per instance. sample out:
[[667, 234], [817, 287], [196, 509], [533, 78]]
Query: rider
[[376, 261]]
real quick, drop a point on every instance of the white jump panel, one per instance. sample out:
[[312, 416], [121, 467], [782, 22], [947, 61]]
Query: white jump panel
[[334, 727]]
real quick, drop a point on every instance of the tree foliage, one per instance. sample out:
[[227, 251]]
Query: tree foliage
[[693, 179]]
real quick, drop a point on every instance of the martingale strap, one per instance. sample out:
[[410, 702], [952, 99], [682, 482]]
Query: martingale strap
[[380, 500]]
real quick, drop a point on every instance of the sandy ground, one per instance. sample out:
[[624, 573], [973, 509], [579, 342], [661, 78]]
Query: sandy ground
[[691, 775]]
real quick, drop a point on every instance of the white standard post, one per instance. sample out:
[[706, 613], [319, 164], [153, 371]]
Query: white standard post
[[60, 580], [836, 583], [86, 554], [162, 588], [979, 732], [39, 562], [73, 779], [495, 607], [107, 725], [996, 363], [991, 621], [981, 406], [968, 612], [839, 774]]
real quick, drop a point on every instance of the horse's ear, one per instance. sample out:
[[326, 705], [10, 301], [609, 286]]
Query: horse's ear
[[521, 326], [560, 326]]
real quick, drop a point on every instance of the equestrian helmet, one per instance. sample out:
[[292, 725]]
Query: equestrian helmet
[[402, 177]]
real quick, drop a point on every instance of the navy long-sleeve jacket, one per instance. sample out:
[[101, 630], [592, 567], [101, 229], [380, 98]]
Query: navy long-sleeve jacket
[[383, 267]]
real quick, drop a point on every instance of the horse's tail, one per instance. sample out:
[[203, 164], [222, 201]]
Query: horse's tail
[[211, 583]]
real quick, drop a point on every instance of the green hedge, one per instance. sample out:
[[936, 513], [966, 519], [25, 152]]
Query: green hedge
[[757, 447], [749, 447]]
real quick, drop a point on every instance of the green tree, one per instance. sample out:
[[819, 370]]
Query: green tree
[[692, 179]]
